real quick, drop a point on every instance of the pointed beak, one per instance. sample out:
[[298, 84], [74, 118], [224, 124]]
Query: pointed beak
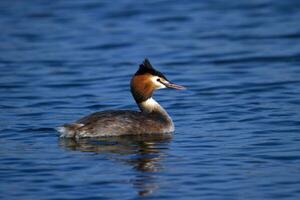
[[174, 86]]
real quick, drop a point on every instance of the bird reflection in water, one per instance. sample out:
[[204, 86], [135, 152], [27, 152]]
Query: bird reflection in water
[[143, 153]]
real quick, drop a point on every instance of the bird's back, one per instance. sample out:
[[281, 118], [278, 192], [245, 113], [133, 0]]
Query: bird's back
[[117, 123]]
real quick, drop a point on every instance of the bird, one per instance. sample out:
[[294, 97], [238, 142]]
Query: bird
[[152, 118]]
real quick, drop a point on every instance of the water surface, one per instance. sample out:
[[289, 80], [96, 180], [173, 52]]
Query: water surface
[[237, 127]]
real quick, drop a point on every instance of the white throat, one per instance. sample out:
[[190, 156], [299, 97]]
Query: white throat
[[150, 105]]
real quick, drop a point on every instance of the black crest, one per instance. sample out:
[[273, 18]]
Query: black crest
[[146, 67]]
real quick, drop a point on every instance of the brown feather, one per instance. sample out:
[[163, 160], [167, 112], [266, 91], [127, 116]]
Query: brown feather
[[142, 87]]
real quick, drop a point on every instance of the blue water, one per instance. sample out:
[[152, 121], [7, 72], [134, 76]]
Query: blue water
[[237, 126]]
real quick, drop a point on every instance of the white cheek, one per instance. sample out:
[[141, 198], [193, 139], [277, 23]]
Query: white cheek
[[161, 86], [156, 83]]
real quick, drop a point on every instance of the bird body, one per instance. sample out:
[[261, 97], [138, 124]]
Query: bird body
[[151, 119]]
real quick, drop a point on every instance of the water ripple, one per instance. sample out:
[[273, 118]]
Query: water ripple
[[237, 125]]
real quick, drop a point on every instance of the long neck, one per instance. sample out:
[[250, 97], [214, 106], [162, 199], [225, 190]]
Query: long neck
[[151, 106], [143, 97]]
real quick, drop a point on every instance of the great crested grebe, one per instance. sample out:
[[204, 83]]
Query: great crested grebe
[[150, 120]]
